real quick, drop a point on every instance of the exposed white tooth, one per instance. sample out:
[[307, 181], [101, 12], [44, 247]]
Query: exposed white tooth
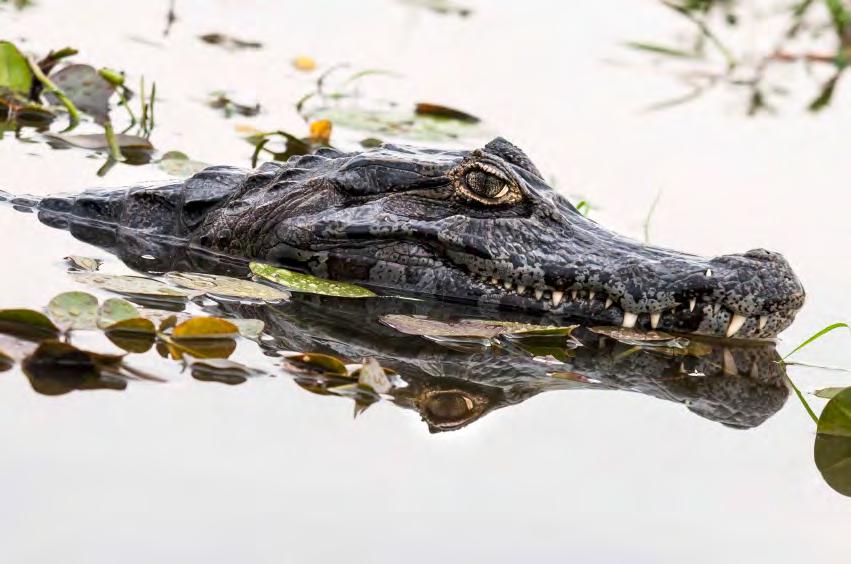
[[730, 364], [754, 371], [654, 319], [629, 319], [494, 280], [736, 324], [691, 303], [539, 293], [507, 284], [573, 295], [591, 295], [608, 303], [763, 319], [557, 297], [708, 272], [521, 289]]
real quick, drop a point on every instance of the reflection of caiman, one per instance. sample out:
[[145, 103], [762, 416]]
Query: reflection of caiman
[[736, 384], [472, 226]]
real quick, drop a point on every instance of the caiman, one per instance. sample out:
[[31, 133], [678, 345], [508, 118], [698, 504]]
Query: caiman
[[480, 226]]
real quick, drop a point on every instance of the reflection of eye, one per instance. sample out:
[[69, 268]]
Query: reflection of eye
[[486, 185], [448, 407]]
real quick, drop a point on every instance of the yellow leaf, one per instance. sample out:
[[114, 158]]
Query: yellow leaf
[[304, 63], [320, 131], [205, 328]]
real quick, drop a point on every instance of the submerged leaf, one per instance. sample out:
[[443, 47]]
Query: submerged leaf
[[413, 325], [227, 286], [637, 337], [74, 310], [135, 335], [298, 282]]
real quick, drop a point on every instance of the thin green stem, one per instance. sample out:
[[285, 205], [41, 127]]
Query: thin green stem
[[111, 142], [801, 397], [49, 86]]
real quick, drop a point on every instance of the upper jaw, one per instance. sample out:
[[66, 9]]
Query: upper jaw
[[733, 296]]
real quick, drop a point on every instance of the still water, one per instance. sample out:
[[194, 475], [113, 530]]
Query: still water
[[267, 472]]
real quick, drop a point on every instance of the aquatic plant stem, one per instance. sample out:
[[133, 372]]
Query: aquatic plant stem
[[49, 86], [801, 397], [114, 149]]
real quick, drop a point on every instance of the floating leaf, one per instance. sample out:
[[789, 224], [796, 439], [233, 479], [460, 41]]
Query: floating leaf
[[135, 335], [27, 322], [74, 310], [315, 363], [828, 393], [226, 286], [249, 328], [56, 368], [835, 419], [205, 328], [444, 112], [15, 73], [637, 337], [134, 285], [84, 263], [304, 63], [222, 371], [229, 42], [832, 449], [200, 348], [297, 282], [86, 88], [99, 142], [219, 100], [373, 376], [114, 310], [6, 361], [412, 325], [179, 164]]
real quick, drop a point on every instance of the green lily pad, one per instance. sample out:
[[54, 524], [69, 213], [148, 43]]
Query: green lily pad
[[27, 322], [114, 310], [132, 285], [226, 286], [15, 73], [298, 282], [832, 455], [74, 310], [83, 263]]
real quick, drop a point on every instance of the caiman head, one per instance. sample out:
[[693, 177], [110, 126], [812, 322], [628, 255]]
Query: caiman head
[[483, 226]]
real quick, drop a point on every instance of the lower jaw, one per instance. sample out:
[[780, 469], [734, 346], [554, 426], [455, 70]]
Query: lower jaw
[[705, 320]]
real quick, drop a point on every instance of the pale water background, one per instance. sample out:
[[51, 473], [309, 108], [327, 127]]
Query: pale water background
[[195, 472]]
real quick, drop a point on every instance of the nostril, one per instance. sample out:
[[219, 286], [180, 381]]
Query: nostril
[[762, 254]]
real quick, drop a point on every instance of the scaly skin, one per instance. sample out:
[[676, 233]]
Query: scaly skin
[[471, 226]]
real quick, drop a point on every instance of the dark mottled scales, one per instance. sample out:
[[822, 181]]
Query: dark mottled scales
[[477, 226]]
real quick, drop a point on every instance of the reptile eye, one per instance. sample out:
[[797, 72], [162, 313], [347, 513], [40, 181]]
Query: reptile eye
[[486, 185]]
